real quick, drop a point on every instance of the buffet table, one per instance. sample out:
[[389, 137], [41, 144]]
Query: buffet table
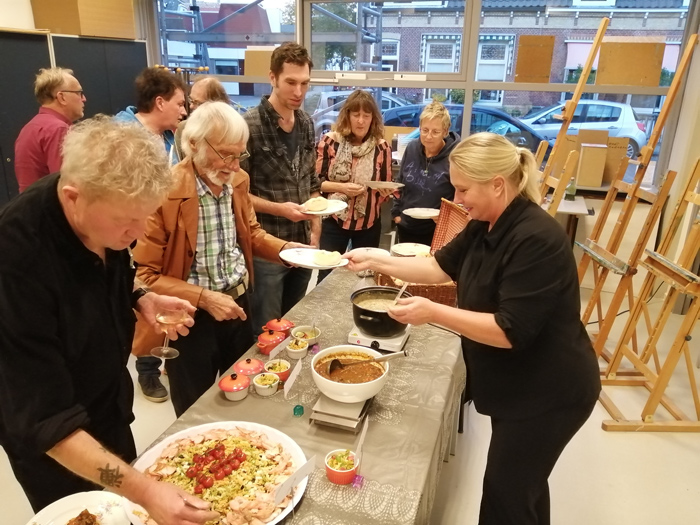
[[411, 420]]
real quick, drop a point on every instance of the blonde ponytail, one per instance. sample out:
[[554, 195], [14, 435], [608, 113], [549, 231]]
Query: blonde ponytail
[[483, 156]]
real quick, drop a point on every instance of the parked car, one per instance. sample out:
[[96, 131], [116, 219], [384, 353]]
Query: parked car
[[484, 118], [319, 100], [619, 120]]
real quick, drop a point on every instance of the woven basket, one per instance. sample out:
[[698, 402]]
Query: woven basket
[[451, 221]]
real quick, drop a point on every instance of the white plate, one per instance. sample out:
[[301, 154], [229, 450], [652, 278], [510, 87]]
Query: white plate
[[375, 251], [383, 185], [422, 213], [334, 206], [105, 505], [151, 455], [304, 258], [409, 249]]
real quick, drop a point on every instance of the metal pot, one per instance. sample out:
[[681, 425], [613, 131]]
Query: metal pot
[[377, 324]]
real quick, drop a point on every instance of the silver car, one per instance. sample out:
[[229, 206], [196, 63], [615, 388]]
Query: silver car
[[619, 120]]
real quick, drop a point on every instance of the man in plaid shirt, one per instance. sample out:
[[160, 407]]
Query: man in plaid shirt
[[200, 245], [282, 177]]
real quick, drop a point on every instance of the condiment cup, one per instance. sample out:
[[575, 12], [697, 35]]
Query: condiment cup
[[235, 386], [297, 353], [307, 330], [340, 477], [266, 390], [283, 375]]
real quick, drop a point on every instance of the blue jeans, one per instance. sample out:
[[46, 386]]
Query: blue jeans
[[276, 289], [147, 365]]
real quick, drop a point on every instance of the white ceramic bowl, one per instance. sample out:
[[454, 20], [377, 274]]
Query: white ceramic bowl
[[266, 390], [238, 395], [297, 353], [306, 329], [344, 392]]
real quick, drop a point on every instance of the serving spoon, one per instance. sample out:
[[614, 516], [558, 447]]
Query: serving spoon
[[335, 364]]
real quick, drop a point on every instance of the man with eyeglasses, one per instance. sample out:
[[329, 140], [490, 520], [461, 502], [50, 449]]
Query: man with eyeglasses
[[38, 145], [200, 245]]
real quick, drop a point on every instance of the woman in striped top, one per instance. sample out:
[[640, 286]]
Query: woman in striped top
[[348, 158]]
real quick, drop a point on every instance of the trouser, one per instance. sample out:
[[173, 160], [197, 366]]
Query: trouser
[[276, 290], [406, 235], [522, 454], [147, 365], [208, 350], [335, 238], [44, 480]]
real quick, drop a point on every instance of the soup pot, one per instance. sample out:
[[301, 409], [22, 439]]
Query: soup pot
[[377, 324], [346, 392]]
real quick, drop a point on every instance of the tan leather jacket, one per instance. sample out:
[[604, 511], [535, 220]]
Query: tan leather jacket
[[165, 254]]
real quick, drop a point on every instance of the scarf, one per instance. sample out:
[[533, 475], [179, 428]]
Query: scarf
[[342, 171]]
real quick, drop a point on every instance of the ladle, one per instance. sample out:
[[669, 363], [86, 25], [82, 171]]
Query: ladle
[[335, 364]]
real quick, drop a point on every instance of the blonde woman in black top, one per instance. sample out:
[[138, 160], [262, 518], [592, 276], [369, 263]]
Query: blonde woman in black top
[[530, 362]]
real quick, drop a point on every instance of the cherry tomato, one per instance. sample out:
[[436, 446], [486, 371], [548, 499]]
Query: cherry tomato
[[230, 458], [207, 482], [220, 446], [191, 472], [198, 458], [198, 489], [220, 474], [214, 467], [199, 467], [242, 457], [210, 458], [237, 451], [219, 454], [227, 469], [235, 464]]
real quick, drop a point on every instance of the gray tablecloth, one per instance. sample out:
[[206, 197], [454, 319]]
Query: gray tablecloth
[[411, 419]]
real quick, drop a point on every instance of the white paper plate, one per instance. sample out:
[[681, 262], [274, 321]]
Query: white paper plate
[[409, 249], [105, 505], [422, 213], [304, 258], [334, 206], [383, 185], [376, 251], [151, 455]]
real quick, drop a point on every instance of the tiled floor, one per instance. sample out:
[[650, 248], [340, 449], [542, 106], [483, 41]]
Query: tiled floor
[[603, 478]]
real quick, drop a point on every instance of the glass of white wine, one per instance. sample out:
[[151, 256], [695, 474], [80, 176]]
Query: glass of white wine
[[168, 319]]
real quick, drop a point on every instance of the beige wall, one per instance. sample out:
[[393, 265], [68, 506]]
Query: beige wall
[[16, 14]]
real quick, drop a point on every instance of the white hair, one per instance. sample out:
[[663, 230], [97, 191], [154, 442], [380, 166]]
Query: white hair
[[217, 122]]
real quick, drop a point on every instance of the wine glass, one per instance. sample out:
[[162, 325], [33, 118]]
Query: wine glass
[[168, 319]]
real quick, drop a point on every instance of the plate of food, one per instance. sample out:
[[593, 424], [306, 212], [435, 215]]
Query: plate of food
[[422, 213], [383, 185], [312, 258], [249, 460], [410, 249], [98, 507], [323, 206]]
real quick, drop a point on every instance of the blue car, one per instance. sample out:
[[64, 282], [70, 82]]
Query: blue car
[[483, 119]]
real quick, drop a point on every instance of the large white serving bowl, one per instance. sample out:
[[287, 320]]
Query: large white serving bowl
[[344, 392]]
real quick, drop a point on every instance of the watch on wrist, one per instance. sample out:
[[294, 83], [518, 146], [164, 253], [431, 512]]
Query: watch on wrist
[[137, 294]]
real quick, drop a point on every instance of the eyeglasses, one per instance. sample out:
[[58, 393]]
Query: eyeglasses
[[432, 132], [78, 92], [229, 158]]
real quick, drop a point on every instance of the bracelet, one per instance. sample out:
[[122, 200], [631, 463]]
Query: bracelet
[[137, 294]]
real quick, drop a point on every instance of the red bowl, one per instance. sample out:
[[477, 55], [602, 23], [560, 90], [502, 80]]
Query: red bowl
[[340, 477], [282, 375]]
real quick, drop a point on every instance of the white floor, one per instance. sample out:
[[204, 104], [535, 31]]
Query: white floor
[[602, 478]]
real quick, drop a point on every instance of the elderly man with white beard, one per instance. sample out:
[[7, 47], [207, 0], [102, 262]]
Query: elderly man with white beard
[[200, 245]]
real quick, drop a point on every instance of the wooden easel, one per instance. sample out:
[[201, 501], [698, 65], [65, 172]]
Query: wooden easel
[[558, 184], [570, 107], [604, 260], [681, 280]]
